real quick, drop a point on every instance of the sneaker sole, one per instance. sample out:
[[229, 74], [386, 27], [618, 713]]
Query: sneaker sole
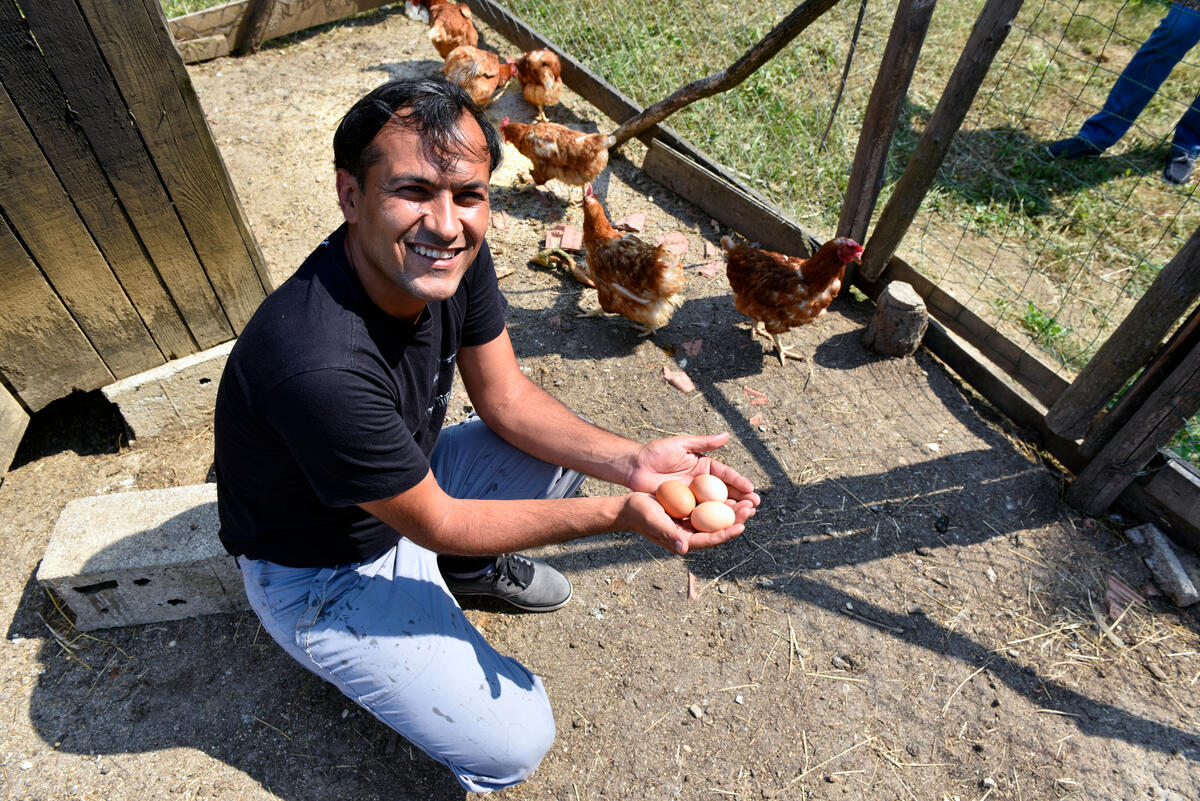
[[512, 602]]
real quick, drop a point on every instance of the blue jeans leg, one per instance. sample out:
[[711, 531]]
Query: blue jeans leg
[[390, 636], [1174, 36]]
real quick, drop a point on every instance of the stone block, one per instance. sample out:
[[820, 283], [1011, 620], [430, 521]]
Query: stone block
[[13, 421], [1169, 572], [179, 394], [141, 557]]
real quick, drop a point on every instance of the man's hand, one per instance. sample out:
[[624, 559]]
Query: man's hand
[[644, 515], [683, 458]]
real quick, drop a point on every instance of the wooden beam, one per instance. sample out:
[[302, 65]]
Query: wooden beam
[[991, 29], [41, 214], [1133, 344], [1169, 496], [28, 79], [882, 115], [44, 354], [1165, 412], [173, 127], [788, 29], [1182, 342], [256, 29], [204, 49], [99, 115], [231, 22]]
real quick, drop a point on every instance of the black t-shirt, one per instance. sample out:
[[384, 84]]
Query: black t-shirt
[[327, 402]]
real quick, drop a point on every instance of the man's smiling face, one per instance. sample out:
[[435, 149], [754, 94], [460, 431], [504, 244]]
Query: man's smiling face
[[415, 228]]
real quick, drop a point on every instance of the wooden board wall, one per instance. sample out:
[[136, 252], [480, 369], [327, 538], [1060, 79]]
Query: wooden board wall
[[218, 31], [122, 244]]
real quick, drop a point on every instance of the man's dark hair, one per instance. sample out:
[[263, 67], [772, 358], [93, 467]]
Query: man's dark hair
[[432, 107]]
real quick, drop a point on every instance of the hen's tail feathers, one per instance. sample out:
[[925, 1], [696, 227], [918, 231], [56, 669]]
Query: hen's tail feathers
[[727, 243]]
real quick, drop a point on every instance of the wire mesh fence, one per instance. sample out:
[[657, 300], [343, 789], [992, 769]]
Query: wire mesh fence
[[1053, 251]]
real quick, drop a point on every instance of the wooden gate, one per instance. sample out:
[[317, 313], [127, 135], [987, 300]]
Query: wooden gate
[[122, 244]]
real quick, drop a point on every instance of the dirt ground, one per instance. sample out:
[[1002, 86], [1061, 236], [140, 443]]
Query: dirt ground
[[908, 616]]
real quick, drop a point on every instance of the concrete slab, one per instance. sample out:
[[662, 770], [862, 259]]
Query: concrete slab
[[1169, 572], [179, 394], [141, 557]]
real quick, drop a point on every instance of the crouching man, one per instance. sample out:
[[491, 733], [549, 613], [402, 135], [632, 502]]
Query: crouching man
[[355, 518]]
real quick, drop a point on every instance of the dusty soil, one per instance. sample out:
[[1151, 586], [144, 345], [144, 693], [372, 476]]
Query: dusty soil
[[907, 617]]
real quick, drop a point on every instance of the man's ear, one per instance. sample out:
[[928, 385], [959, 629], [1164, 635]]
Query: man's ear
[[349, 193]]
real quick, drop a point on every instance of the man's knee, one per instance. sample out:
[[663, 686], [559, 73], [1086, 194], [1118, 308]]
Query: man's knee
[[514, 755]]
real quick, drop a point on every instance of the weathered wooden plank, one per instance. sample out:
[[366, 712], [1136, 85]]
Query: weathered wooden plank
[[24, 73], [205, 49], [725, 202], [99, 113], [154, 84], [256, 28], [1182, 342], [43, 354], [990, 31], [289, 16], [13, 421], [225, 20], [232, 21], [1133, 344], [1170, 495], [41, 213], [895, 73], [1166, 410]]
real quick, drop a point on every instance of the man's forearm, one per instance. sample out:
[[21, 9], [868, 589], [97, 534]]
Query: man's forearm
[[537, 423]]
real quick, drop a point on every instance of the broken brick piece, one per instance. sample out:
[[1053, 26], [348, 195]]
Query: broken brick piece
[[633, 222], [675, 242]]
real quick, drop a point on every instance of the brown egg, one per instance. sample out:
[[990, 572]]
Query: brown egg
[[712, 516], [707, 487], [676, 498]]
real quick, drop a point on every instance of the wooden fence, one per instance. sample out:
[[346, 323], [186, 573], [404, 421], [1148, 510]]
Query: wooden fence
[[1115, 455], [122, 244]]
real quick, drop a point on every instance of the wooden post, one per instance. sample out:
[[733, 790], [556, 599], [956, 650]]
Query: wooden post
[[1167, 410], [989, 33], [1131, 345], [256, 30], [801, 17], [1183, 342], [882, 115]]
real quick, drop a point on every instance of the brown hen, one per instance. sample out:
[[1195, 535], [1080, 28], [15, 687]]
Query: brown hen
[[450, 26], [480, 72], [634, 279], [571, 156], [540, 73], [782, 292]]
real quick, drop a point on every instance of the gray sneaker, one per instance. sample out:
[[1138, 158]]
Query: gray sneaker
[[1178, 168], [525, 583]]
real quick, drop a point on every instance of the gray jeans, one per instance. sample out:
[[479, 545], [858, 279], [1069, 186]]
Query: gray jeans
[[388, 634]]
